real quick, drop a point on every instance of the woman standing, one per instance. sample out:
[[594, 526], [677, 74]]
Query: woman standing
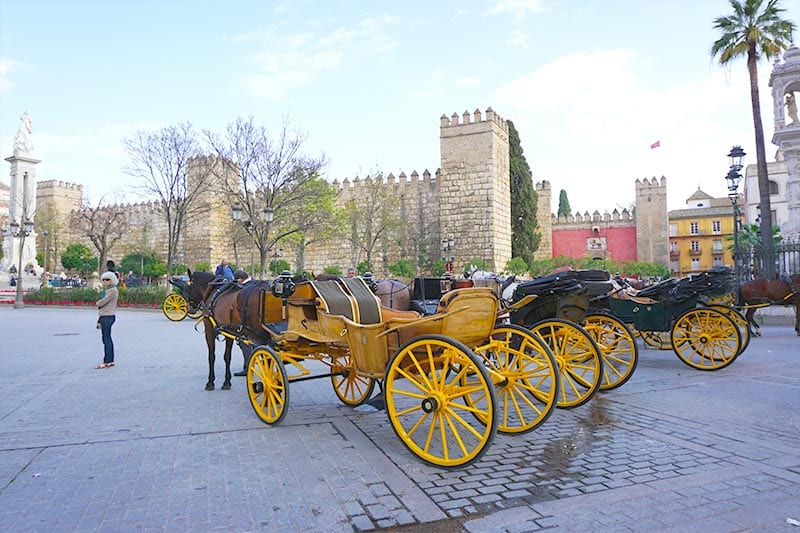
[[106, 307]]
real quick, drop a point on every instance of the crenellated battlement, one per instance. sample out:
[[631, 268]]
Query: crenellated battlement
[[58, 184], [401, 180], [653, 183], [543, 185], [476, 117], [623, 218]]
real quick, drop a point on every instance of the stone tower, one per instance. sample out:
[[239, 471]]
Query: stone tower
[[55, 200], [545, 219], [785, 83], [652, 221], [473, 187], [208, 232]]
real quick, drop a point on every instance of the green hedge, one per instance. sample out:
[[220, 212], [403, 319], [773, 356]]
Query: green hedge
[[136, 296]]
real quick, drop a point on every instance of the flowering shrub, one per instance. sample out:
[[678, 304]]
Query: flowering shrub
[[151, 296]]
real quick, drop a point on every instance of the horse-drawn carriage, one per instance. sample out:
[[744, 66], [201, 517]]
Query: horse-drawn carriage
[[592, 351], [450, 380], [677, 314], [179, 304]]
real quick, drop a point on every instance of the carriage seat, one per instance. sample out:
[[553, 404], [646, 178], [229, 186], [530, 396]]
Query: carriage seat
[[348, 297]]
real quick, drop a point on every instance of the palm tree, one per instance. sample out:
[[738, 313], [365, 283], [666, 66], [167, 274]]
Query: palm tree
[[755, 29]]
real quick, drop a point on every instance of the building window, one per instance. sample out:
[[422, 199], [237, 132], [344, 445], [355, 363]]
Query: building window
[[694, 228], [694, 246], [716, 227], [695, 263], [673, 230], [716, 261], [673, 247], [674, 266], [716, 246], [773, 187]]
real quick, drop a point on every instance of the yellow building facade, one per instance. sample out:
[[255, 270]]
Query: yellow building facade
[[701, 236]]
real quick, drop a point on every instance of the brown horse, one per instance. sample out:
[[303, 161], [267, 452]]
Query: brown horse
[[394, 294], [761, 292], [233, 311]]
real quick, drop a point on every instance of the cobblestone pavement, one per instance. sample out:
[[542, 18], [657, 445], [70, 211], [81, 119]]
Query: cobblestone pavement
[[142, 446]]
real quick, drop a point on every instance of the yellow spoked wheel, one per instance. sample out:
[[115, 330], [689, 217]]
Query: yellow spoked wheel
[[525, 377], [175, 307], [617, 348], [706, 339], [739, 320], [349, 387], [440, 401], [577, 356], [660, 340], [267, 385]]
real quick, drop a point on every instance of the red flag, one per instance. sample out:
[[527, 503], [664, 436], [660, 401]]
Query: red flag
[[655, 144]]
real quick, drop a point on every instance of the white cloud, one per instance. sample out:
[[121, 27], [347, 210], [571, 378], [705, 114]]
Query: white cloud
[[288, 62], [601, 117], [7, 66], [519, 9]]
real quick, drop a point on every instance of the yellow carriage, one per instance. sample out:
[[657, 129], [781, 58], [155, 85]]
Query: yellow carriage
[[450, 380]]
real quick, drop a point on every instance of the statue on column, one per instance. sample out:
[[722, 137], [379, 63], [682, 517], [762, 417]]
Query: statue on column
[[22, 141], [791, 108]]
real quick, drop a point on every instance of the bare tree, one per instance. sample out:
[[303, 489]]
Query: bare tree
[[370, 218], [278, 188], [161, 160], [102, 225]]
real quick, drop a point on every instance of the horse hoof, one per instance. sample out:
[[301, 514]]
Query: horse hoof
[[209, 386], [226, 386]]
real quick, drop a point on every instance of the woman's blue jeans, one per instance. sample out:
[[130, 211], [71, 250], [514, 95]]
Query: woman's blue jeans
[[105, 328]]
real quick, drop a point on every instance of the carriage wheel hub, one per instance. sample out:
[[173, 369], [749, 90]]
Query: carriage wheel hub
[[431, 404]]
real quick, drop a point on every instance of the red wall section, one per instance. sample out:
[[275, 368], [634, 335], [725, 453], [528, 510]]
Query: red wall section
[[621, 242]]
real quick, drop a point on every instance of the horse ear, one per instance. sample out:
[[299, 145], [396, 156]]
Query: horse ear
[[189, 272]]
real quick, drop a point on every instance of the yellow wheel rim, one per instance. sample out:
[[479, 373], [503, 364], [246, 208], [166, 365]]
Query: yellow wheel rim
[[267, 385], [349, 387], [706, 339], [617, 348], [175, 307], [525, 377], [440, 401], [578, 358]]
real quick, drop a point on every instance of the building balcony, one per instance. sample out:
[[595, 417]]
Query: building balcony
[[674, 253], [695, 253], [717, 251]]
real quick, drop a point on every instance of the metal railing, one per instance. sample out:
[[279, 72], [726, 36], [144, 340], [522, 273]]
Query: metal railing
[[750, 261]]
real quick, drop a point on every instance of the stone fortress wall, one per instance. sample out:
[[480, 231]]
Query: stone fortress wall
[[468, 198]]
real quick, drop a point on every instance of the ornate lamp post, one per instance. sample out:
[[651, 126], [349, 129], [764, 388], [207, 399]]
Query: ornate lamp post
[[448, 245], [268, 215], [19, 232], [733, 177]]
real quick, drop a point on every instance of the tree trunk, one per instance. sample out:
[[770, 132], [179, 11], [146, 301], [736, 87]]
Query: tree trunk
[[763, 177]]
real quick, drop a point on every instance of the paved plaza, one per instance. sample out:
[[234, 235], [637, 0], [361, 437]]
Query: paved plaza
[[142, 447]]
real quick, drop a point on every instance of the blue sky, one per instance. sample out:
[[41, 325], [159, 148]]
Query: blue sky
[[589, 84]]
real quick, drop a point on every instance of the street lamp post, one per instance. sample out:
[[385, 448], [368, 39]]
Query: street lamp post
[[236, 214], [736, 155], [448, 245], [19, 232], [46, 235]]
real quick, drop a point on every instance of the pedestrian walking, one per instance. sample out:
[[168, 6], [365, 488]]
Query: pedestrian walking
[[106, 310]]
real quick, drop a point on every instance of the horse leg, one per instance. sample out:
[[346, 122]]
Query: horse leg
[[211, 357], [755, 329], [228, 348], [797, 315]]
